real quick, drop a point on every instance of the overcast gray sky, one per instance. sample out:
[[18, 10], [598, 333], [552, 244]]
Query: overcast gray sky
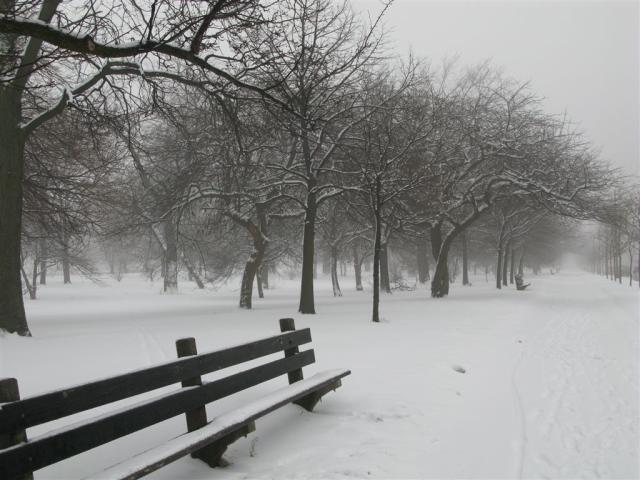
[[582, 56]]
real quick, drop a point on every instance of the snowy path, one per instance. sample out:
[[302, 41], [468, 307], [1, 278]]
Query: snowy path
[[550, 388], [579, 382]]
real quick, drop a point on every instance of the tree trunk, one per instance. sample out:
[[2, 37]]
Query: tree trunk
[[66, 263], [499, 269], [43, 261], [440, 251], [377, 246], [512, 265], [385, 283], [170, 257], [12, 316], [465, 260], [307, 302], [505, 264], [192, 272], [252, 267], [30, 288], [521, 264], [259, 283], [246, 287], [357, 268], [12, 141], [422, 260], [264, 275], [34, 279], [334, 273], [440, 281]]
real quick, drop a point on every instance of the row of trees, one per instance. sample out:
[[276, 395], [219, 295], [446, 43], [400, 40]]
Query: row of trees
[[175, 129]]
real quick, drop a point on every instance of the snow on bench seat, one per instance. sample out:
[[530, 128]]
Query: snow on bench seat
[[223, 425]]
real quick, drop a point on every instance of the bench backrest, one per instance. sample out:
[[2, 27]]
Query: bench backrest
[[82, 436]]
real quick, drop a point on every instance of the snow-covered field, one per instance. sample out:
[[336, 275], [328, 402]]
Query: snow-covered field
[[550, 388]]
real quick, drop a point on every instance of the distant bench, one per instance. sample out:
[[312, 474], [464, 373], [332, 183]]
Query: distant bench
[[205, 440]]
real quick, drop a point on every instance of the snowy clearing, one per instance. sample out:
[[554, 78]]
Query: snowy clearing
[[482, 384]]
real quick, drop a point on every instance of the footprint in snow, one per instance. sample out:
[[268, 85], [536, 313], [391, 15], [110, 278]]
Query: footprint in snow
[[458, 369]]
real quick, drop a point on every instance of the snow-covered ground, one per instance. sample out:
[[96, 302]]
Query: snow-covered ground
[[550, 388]]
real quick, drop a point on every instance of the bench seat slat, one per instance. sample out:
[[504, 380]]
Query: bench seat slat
[[80, 437], [38, 409], [219, 427]]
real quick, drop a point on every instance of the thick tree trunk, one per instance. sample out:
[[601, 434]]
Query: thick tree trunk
[[357, 268], [170, 257], [385, 283], [465, 260], [521, 264], [12, 316], [43, 260], [334, 273], [440, 281], [307, 302]]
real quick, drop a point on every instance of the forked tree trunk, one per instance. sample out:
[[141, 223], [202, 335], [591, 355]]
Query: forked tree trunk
[[252, 267], [307, 302], [465, 260]]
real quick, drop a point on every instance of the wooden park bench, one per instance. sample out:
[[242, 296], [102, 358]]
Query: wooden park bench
[[205, 440]]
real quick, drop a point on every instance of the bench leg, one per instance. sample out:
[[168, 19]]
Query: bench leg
[[212, 453], [310, 401]]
